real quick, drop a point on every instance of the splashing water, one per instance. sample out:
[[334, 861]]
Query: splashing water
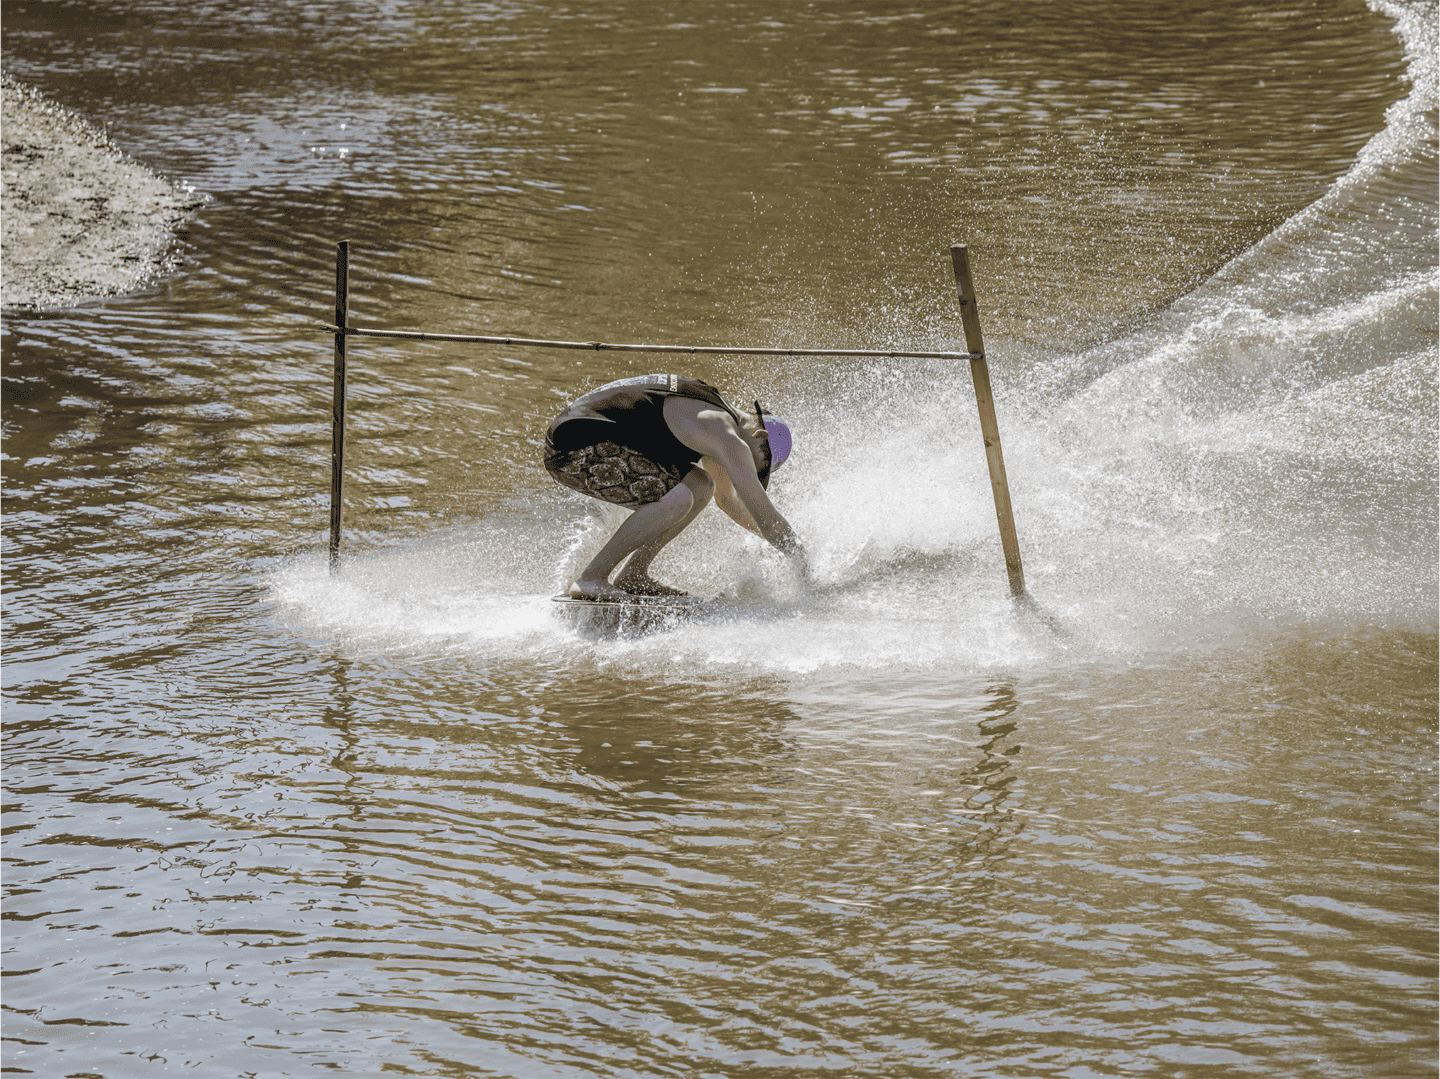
[[1261, 454]]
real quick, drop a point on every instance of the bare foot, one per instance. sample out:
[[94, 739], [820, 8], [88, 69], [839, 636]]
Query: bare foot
[[598, 589], [644, 585]]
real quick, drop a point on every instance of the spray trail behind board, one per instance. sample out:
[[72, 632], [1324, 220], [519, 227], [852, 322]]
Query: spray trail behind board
[[1261, 456]]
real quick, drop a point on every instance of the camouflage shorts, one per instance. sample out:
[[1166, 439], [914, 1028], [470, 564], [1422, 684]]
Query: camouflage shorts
[[613, 473]]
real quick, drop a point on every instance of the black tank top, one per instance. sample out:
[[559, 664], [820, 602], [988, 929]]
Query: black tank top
[[631, 413]]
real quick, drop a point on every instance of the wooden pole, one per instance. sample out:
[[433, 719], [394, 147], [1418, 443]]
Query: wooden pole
[[985, 402], [337, 410]]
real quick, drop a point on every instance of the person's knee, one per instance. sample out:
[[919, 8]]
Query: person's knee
[[701, 486], [678, 501]]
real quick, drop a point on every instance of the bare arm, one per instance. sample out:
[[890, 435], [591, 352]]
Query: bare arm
[[725, 496], [712, 432]]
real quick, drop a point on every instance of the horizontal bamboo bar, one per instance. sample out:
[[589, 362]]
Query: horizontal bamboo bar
[[693, 350]]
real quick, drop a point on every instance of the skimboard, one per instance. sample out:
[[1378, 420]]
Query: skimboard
[[633, 615]]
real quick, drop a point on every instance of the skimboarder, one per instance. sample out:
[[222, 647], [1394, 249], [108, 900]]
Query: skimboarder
[[663, 446]]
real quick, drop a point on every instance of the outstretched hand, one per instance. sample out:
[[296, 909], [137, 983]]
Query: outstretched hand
[[797, 557]]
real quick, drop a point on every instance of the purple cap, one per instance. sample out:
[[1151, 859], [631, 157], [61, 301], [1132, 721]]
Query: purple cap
[[779, 433]]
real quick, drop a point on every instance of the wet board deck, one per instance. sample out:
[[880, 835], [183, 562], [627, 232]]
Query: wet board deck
[[639, 614]]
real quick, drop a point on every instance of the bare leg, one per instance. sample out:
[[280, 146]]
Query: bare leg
[[635, 577], [653, 525]]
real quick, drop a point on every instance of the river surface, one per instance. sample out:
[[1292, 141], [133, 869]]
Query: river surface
[[1177, 817]]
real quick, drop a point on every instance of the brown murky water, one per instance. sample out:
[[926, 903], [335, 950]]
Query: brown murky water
[[261, 821]]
